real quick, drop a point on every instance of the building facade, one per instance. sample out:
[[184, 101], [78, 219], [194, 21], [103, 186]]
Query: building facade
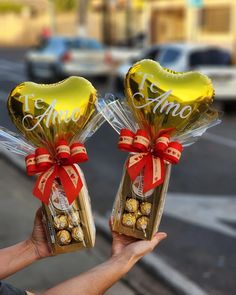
[[177, 20]]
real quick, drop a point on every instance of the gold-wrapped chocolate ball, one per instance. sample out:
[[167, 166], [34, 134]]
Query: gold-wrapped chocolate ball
[[77, 234], [138, 214], [131, 205], [73, 219], [60, 222], [128, 219], [142, 223], [145, 208], [63, 237]]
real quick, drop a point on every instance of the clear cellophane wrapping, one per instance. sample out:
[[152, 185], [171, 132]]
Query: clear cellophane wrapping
[[134, 213], [68, 227]]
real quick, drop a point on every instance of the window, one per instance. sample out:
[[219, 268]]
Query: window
[[86, 44], [54, 44], [170, 55], [215, 19], [210, 57], [151, 53]]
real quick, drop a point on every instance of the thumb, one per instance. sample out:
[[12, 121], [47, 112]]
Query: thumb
[[158, 237], [38, 216]]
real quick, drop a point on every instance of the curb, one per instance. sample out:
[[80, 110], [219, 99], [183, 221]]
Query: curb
[[153, 263]]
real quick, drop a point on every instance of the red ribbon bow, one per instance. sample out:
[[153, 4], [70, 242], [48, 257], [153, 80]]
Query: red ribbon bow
[[62, 166], [150, 158]]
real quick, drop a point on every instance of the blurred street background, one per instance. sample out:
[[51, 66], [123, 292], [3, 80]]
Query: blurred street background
[[47, 40]]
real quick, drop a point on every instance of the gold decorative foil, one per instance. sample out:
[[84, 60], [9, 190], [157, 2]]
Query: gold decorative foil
[[145, 208], [60, 222], [73, 219], [162, 99], [77, 234], [142, 223], [63, 237], [45, 113], [131, 205], [128, 219]]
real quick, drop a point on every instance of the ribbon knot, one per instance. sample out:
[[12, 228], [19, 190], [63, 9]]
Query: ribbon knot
[[60, 166], [148, 156]]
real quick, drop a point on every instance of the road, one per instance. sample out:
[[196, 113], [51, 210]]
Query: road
[[199, 215]]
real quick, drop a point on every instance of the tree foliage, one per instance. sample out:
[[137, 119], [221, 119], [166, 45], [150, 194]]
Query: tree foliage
[[65, 5]]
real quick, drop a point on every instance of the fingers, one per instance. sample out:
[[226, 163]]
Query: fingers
[[160, 236], [38, 213]]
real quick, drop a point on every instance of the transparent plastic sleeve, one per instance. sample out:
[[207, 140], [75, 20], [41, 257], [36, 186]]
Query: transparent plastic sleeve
[[136, 213], [68, 227]]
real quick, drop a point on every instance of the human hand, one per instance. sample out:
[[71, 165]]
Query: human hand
[[133, 247], [38, 237]]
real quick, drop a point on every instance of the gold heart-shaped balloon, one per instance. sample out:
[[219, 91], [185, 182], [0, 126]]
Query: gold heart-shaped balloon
[[162, 99], [45, 113]]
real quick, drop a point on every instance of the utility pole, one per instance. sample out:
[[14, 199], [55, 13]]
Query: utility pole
[[82, 13], [129, 24], [107, 21], [52, 16]]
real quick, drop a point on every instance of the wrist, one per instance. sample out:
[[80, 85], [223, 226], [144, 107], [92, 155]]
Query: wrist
[[32, 248], [125, 259]]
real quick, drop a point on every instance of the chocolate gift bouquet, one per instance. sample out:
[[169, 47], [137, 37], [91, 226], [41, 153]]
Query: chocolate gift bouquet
[[163, 111], [56, 120]]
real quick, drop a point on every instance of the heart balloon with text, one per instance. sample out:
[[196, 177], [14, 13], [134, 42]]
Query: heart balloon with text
[[45, 113], [163, 100]]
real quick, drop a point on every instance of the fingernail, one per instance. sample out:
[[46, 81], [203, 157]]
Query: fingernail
[[161, 236]]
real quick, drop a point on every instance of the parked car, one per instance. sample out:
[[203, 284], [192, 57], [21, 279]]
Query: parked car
[[59, 57], [91, 59], [150, 53], [212, 61], [87, 57]]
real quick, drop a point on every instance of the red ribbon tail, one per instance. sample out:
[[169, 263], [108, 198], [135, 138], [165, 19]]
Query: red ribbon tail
[[135, 164], [154, 173], [43, 185], [71, 181]]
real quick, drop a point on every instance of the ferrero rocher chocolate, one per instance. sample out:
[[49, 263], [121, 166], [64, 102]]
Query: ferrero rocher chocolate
[[60, 222], [131, 205], [63, 237], [142, 223], [77, 234], [145, 208], [138, 214], [73, 219], [128, 219]]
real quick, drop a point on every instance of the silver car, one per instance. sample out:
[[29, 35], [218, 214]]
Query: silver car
[[59, 57]]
